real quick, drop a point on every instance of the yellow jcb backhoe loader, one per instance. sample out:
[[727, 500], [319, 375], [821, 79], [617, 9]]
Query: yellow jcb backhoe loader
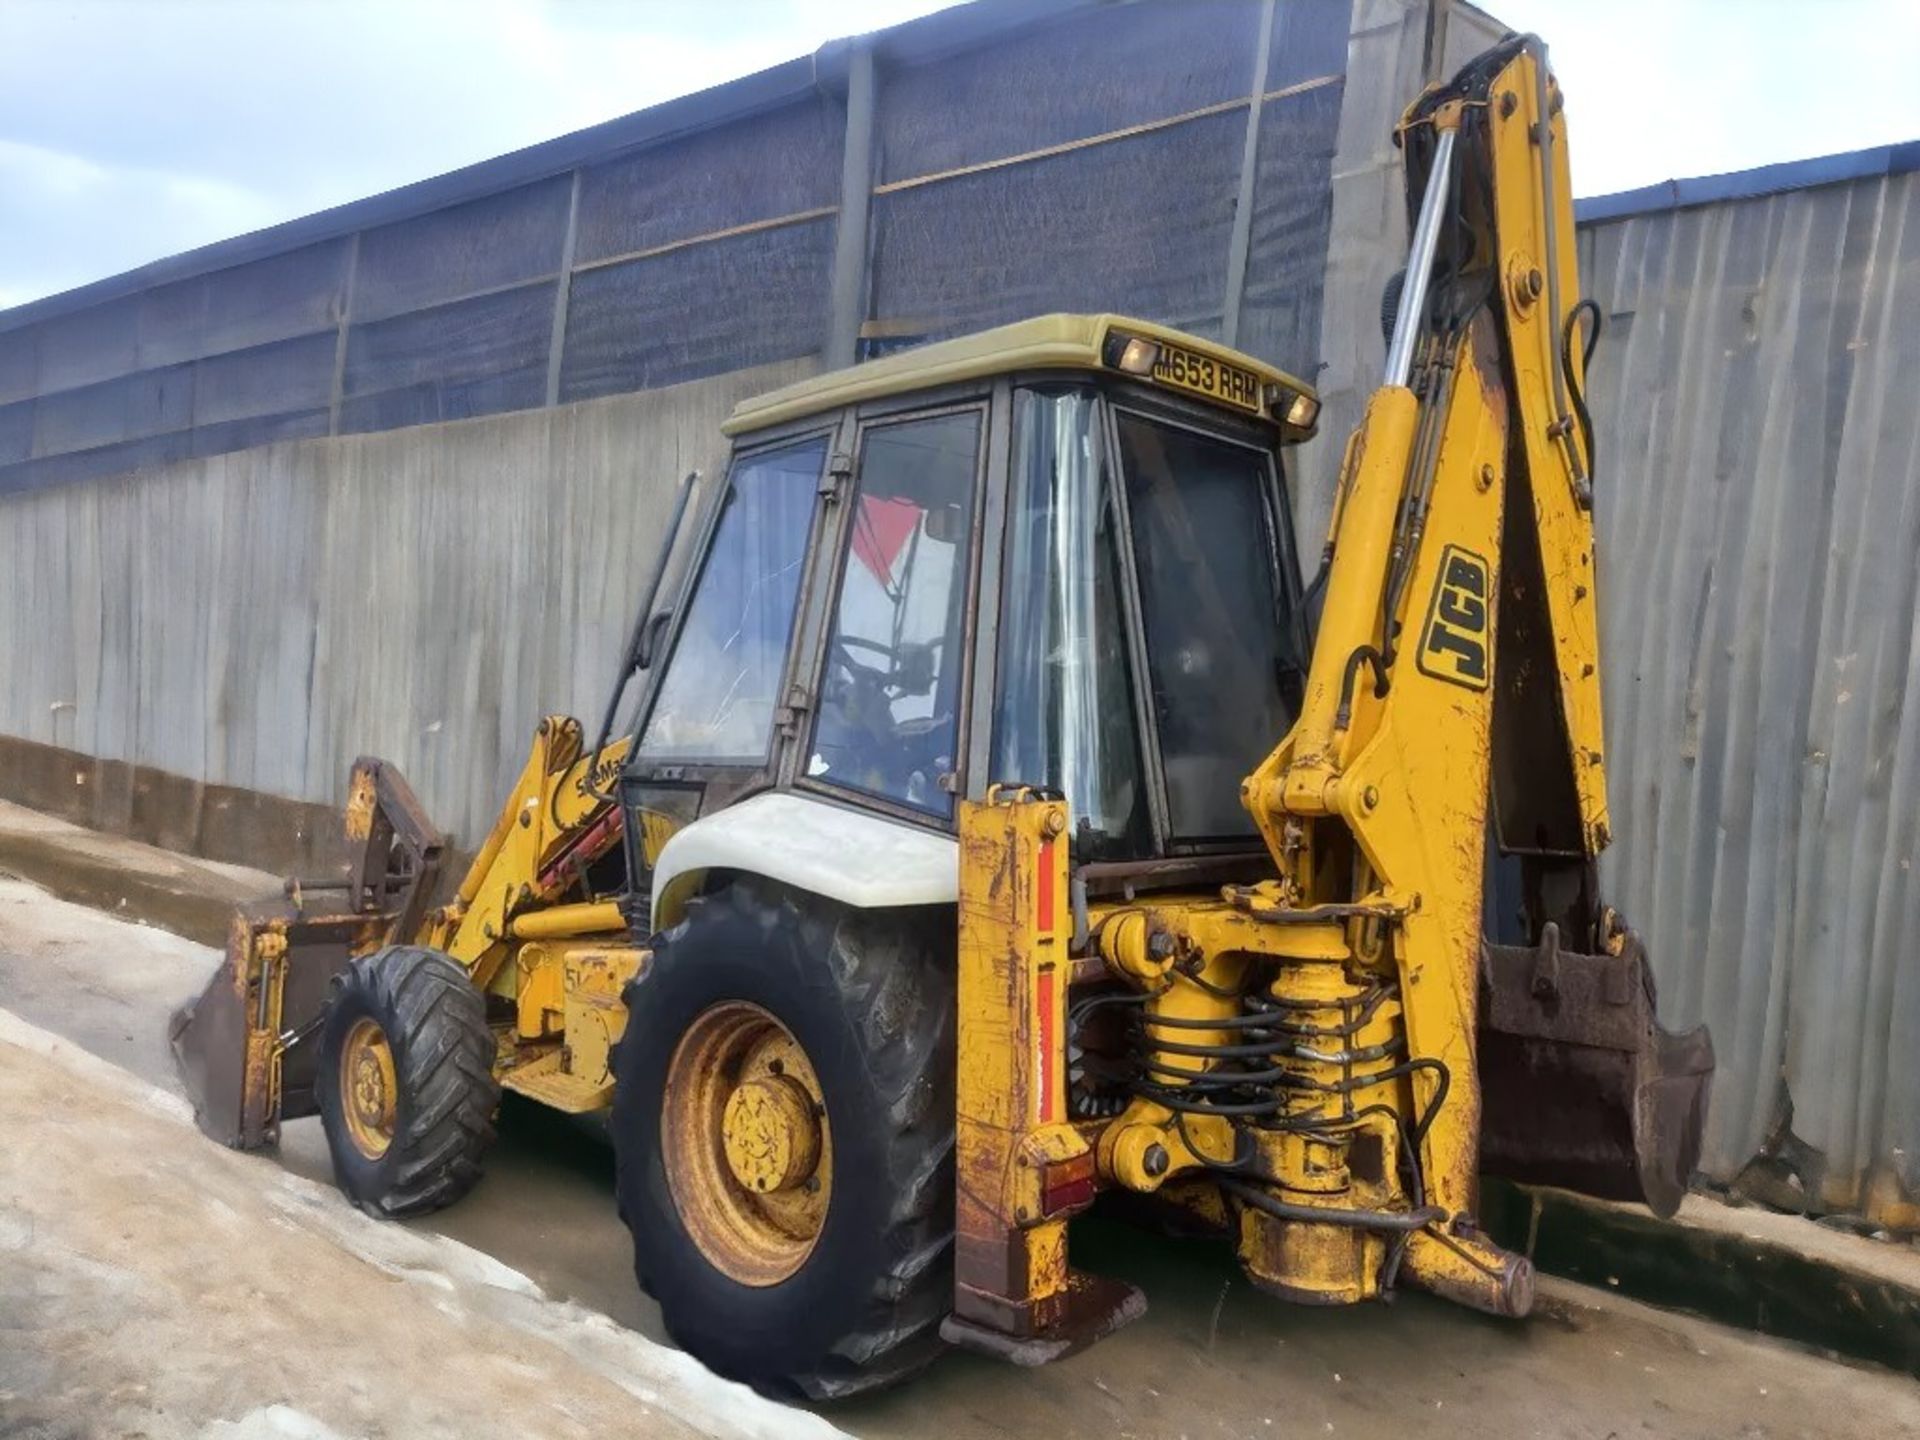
[[1002, 821]]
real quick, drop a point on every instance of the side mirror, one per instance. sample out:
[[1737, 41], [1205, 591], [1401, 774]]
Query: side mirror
[[650, 638], [946, 525]]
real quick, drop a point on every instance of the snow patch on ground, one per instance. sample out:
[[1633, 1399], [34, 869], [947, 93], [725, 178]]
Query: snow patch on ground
[[88, 1066], [273, 1422], [462, 1281]]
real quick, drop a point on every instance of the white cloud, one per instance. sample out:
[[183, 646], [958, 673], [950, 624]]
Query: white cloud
[[133, 129], [62, 214], [54, 173], [1663, 89]]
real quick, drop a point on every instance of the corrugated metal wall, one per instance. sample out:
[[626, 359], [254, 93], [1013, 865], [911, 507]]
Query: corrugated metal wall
[[1759, 509]]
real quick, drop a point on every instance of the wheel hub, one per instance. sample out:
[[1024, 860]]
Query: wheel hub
[[746, 1144], [368, 1089], [772, 1139]]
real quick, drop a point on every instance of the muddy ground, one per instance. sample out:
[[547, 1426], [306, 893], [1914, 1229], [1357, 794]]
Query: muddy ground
[[1212, 1357]]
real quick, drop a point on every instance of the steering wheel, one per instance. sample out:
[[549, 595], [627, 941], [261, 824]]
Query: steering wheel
[[843, 645], [886, 677], [858, 730]]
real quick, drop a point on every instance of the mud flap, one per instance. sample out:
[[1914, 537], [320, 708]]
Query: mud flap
[[1582, 1088], [243, 1048]]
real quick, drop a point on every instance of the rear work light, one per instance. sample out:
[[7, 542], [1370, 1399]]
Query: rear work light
[[1131, 354], [1293, 408]]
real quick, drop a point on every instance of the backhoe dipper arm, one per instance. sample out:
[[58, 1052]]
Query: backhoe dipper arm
[[1455, 666]]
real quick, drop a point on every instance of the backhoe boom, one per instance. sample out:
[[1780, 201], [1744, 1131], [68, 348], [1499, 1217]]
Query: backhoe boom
[[1453, 692]]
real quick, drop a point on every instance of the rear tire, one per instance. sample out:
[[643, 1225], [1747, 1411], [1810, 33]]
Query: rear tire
[[405, 1082], [869, 997]]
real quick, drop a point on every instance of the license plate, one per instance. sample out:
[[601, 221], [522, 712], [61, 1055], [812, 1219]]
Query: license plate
[[1189, 370]]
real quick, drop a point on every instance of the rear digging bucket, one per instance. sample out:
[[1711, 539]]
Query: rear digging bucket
[[1582, 1088]]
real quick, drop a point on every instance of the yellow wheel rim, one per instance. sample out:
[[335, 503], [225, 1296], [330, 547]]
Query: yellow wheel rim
[[369, 1096], [745, 1141]]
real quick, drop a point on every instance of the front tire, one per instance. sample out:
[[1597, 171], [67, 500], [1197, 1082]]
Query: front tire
[[405, 1082], [763, 1005]]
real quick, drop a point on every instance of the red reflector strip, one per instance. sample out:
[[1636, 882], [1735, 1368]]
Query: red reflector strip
[[1067, 1185], [1044, 1044], [1043, 891], [1070, 1196]]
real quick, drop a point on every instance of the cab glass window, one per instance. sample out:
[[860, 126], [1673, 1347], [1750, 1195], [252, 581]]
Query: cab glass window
[[1064, 714], [1220, 658], [890, 694], [722, 682]]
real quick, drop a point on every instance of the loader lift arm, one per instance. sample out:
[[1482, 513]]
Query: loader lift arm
[[245, 1047]]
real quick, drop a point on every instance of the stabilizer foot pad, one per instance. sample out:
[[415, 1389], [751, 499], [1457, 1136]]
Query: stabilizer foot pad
[[1096, 1307]]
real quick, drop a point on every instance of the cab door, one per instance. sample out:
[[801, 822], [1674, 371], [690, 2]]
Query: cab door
[[891, 691], [709, 728]]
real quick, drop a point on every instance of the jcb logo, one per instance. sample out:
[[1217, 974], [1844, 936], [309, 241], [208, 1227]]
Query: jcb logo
[[1453, 647]]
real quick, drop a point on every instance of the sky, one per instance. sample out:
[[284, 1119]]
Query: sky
[[1662, 89], [134, 129]]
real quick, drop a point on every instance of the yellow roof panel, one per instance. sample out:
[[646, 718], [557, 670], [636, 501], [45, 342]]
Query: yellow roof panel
[[1046, 342]]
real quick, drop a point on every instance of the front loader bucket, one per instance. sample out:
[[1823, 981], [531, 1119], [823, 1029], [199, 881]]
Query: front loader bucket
[[244, 1049], [1581, 1087]]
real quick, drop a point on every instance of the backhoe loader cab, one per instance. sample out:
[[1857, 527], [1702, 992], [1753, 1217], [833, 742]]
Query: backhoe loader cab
[[992, 830], [1057, 553]]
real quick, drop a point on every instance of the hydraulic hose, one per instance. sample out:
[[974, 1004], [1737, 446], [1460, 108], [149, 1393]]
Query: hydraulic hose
[[1591, 308], [1396, 1220]]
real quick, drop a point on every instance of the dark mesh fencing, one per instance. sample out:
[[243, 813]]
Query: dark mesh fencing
[[1053, 158], [779, 163], [466, 358], [1287, 244], [1079, 77], [757, 296], [1141, 226]]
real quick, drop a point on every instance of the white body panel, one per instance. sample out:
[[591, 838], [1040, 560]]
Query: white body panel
[[811, 844]]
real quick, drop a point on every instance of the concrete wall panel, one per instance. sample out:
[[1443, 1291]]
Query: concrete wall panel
[[258, 619]]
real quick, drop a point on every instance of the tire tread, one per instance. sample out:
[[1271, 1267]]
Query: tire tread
[[440, 1035], [903, 1009]]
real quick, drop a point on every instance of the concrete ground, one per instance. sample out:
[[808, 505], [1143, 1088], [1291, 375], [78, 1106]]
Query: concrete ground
[[1212, 1357], [154, 1285]]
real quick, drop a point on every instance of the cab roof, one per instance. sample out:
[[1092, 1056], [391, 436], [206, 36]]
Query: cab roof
[[1046, 342]]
